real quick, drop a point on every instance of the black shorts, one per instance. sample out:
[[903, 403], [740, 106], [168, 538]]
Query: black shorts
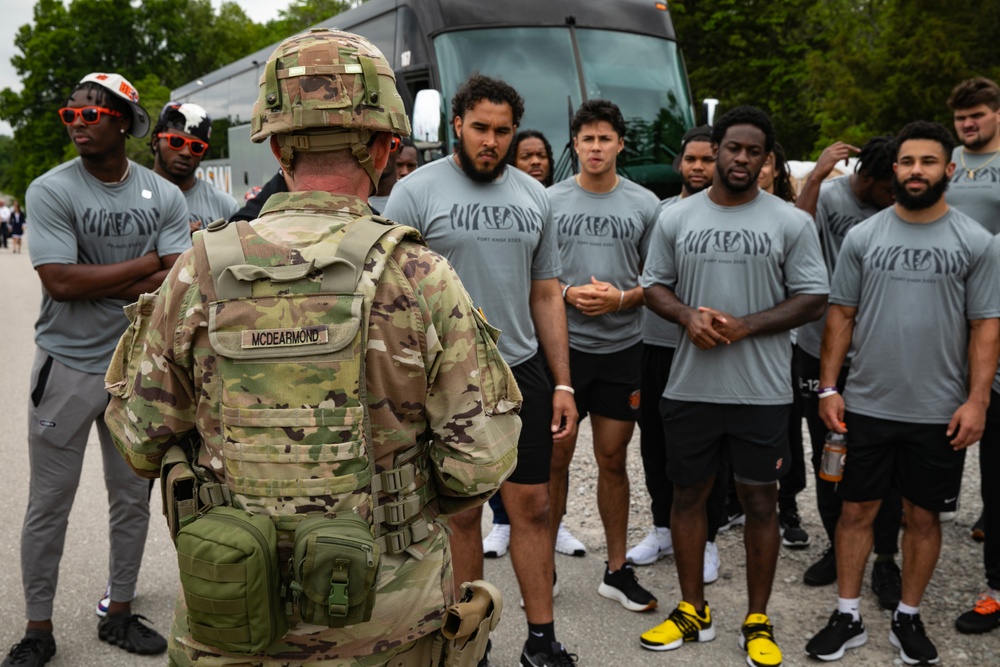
[[607, 384], [534, 447], [701, 436], [915, 458]]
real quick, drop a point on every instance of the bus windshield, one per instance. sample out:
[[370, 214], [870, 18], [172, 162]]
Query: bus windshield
[[643, 75]]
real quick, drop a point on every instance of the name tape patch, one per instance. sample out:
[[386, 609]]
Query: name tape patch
[[315, 335]]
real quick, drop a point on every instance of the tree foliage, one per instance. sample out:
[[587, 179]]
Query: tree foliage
[[824, 69], [157, 44], [829, 70]]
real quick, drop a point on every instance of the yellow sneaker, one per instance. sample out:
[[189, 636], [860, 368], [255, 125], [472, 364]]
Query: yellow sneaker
[[683, 625], [757, 638]]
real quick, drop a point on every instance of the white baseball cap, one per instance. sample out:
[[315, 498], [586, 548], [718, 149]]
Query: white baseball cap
[[119, 86]]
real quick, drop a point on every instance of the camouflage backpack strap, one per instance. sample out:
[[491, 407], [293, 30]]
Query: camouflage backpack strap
[[353, 250], [223, 248]]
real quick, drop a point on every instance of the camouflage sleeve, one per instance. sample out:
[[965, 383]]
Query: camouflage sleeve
[[472, 398], [150, 379]]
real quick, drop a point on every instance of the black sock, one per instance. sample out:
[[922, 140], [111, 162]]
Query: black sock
[[540, 637]]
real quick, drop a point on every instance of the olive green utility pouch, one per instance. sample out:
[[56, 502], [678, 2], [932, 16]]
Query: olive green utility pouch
[[334, 562], [178, 486], [229, 574]]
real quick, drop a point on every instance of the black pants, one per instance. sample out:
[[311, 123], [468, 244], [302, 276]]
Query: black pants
[[795, 480], [890, 514], [989, 468], [656, 361]]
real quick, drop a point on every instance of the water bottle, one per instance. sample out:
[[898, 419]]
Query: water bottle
[[831, 467]]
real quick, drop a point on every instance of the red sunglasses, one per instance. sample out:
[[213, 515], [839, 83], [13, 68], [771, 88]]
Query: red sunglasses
[[90, 115], [177, 142], [395, 143]]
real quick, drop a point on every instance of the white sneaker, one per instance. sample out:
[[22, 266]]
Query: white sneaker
[[653, 547], [567, 544], [711, 567], [496, 543]]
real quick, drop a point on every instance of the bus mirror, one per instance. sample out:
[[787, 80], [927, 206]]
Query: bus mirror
[[427, 119], [709, 104]]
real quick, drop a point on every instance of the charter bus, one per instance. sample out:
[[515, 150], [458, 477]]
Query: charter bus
[[556, 53]]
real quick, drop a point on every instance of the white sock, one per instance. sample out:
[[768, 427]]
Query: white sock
[[850, 606], [906, 609]]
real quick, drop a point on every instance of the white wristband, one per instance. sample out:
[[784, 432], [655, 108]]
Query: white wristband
[[563, 387], [828, 392]]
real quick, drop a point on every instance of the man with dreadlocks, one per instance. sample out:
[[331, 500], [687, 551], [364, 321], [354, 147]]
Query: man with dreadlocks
[[104, 230], [843, 202]]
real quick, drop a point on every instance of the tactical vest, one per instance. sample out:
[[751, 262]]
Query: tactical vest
[[289, 338]]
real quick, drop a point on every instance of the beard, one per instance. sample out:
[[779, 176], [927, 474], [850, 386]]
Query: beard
[[738, 187], [695, 189], [976, 144], [929, 197], [469, 166]]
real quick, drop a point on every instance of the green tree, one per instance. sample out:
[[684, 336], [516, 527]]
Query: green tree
[[751, 52], [303, 14], [156, 45], [6, 161], [889, 62]]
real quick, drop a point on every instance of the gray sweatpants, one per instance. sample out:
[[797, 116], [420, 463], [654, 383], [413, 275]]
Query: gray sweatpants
[[63, 405]]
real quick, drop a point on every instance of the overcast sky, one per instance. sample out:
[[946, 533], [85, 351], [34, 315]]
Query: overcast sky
[[18, 12]]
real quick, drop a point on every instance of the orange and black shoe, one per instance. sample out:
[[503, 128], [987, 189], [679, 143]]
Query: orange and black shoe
[[985, 616]]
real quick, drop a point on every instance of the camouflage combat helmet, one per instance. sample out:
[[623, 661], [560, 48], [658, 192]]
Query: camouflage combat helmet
[[325, 90]]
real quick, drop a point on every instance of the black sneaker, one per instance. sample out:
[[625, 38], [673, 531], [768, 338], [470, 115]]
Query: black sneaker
[[792, 534], [985, 616], [557, 656], [824, 571], [624, 587], [908, 635], [887, 584], [128, 632], [979, 529], [841, 633], [35, 649]]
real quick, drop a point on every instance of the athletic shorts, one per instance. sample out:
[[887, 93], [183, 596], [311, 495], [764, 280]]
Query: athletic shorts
[[915, 458], [534, 447], [607, 384], [701, 436]]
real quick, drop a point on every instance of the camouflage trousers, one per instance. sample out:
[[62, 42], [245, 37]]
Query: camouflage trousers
[[424, 648], [180, 656], [415, 588]]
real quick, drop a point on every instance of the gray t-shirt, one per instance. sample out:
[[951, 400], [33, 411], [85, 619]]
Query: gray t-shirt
[[603, 235], [915, 287], [837, 212], [499, 237], [77, 219], [655, 329], [206, 203], [740, 260], [979, 196]]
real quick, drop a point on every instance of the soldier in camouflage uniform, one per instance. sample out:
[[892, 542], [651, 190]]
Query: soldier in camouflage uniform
[[439, 394]]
